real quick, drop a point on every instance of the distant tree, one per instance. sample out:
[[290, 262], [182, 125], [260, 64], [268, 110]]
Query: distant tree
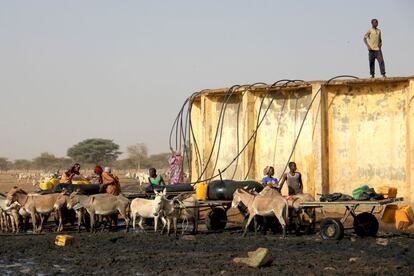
[[159, 161], [46, 161], [123, 164], [137, 154], [5, 164], [22, 164], [94, 151], [64, 163]]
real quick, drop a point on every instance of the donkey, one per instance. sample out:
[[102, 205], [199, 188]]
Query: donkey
[[9, 215], [302, 216], [183, 207], [100, 204], [41, 205], [63, 214], [146, 209], [267, 204]]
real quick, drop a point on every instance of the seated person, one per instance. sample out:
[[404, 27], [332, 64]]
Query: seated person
[[269, 180], [294, 180], [155, 179]]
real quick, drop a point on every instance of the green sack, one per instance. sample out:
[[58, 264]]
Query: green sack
[[357, 193]]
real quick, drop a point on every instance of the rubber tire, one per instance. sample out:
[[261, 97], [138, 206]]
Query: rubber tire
[[338, 228], [366, 224], [216, 219]]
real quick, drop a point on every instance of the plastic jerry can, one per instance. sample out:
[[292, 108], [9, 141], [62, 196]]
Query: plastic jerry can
[[401, 220], [47, 185], [201, 191], [63, 240], [387, 191], [77, 182], [389, 213], [404, 217]]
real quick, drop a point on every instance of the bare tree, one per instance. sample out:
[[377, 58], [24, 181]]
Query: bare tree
[[137, 153]]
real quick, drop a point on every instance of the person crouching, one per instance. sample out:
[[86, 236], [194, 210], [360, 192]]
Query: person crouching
[[108, 181]]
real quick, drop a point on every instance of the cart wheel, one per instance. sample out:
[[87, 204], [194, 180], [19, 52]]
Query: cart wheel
[[216, 219], [331, 229], [366, 224]]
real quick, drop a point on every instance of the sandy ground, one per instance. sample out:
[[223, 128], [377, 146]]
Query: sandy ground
[[148, 253]]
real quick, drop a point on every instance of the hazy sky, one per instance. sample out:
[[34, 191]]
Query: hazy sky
[[71, 70]]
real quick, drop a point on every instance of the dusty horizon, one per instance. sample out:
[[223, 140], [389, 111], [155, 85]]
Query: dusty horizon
[[121, 71]]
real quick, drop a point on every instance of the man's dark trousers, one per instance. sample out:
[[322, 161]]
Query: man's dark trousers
[[376, 55]]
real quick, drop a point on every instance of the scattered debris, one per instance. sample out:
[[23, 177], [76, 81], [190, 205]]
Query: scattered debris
[[258, 258], [189, 238], [383, 241], [353, 259], [25, 271]]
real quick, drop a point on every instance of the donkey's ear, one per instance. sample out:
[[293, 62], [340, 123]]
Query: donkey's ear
[[156, 192], [164, 192]]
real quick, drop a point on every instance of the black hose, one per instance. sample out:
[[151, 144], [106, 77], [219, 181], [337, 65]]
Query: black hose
[[306, 114], [229, 92], [254, 134], [258, 117]]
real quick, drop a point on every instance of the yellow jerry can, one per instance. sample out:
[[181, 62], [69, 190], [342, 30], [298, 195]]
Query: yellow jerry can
[[404, 217], [201, 191], [389, 213], [387, 191], [77, 182], [63, 240]]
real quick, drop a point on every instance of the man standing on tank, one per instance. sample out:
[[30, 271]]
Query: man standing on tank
[[373, 41]]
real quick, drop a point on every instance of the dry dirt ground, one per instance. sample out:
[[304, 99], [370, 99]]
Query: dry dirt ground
[[148, 253], [206, 253]]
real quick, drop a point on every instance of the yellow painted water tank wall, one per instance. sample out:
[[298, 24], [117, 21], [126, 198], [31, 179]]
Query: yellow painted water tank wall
[[356, 132]]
